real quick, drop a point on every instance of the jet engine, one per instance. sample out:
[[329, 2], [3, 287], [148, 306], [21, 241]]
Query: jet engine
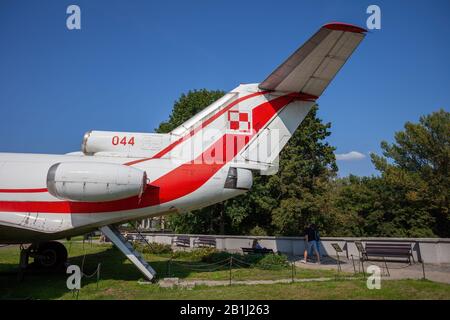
[[94, 181], [123, 144]]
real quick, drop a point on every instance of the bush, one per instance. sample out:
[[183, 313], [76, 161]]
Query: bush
[[272, 261], [153, 248], [195, 254], [258, 231], [212, 255]]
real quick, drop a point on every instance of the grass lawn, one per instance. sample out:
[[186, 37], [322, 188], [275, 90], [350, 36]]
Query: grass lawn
[[119, 281]]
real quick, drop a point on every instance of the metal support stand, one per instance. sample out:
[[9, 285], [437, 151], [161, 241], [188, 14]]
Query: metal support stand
[[338, 249], [23, 263], [387, 269], [339, 263], [353, 262], [423, 270], [364, 270]]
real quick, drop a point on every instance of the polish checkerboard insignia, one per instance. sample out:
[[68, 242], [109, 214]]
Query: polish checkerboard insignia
[[239, 121]]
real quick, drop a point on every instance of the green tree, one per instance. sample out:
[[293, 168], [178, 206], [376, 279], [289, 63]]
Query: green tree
[[374, 206], [187, 106], [415, 174], [301, 187]]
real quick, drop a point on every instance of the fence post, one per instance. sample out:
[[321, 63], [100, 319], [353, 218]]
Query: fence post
[[293, 268], [168, 267], [231, 264], [98, 273], [423, 270]]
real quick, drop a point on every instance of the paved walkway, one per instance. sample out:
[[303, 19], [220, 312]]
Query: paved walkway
[[433, 272]]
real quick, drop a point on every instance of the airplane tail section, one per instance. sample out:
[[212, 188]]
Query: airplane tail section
[[302, 77], [250, 125]]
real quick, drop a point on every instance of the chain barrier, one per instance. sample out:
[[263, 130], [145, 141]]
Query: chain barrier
[[230, 264]]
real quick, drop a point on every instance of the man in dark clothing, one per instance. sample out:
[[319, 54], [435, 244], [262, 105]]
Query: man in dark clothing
[[311, 242]]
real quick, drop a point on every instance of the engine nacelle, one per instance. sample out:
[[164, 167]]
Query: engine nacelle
[[123, 144], [239, 178], [94, 181]]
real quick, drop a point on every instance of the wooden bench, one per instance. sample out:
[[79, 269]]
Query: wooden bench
[[256, 250], [205, 242], [182, 241], [378, 251]]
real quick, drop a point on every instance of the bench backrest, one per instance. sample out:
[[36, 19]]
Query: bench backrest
[[206, 240], [388, 248], [181, 239]]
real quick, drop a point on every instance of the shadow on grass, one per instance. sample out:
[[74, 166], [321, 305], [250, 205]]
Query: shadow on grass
[[52, 285], [115, 266]]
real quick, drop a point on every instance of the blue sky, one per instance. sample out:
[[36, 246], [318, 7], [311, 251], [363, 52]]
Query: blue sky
[[132, 59]]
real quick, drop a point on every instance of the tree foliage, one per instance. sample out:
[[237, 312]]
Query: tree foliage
[[187, 106], [411, 197], [415, 169]]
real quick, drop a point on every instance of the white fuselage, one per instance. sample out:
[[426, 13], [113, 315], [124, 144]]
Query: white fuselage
[[32, 208], [188, 173]]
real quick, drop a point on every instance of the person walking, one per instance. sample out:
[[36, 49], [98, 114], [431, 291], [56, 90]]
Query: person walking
[[311, 242]]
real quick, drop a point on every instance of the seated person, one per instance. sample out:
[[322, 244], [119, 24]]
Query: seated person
[[257, 245]]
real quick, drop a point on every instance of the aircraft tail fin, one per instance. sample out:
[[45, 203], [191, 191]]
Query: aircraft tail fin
[[251, 124], [303, 77]]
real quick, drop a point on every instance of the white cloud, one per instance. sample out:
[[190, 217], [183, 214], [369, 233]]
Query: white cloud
[[352, 155]]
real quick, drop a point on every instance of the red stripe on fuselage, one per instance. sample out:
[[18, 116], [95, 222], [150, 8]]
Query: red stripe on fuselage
[[197, 129], [23, 190], [166, 149], [175, 184]]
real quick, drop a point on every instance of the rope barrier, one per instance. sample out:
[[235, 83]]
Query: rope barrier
[[96, 272], [204, 267], [257, 265], [398, 268], [226, 264], [89, 276], [200, 264], [243, 262]]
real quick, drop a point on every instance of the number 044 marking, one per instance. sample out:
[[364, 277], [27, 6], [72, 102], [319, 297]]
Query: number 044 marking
[[116, 140]]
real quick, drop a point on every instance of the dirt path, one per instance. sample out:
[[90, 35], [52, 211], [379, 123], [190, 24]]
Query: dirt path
[[172, 282]]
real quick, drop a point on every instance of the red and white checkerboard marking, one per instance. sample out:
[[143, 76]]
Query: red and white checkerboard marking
[[239, 121]]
